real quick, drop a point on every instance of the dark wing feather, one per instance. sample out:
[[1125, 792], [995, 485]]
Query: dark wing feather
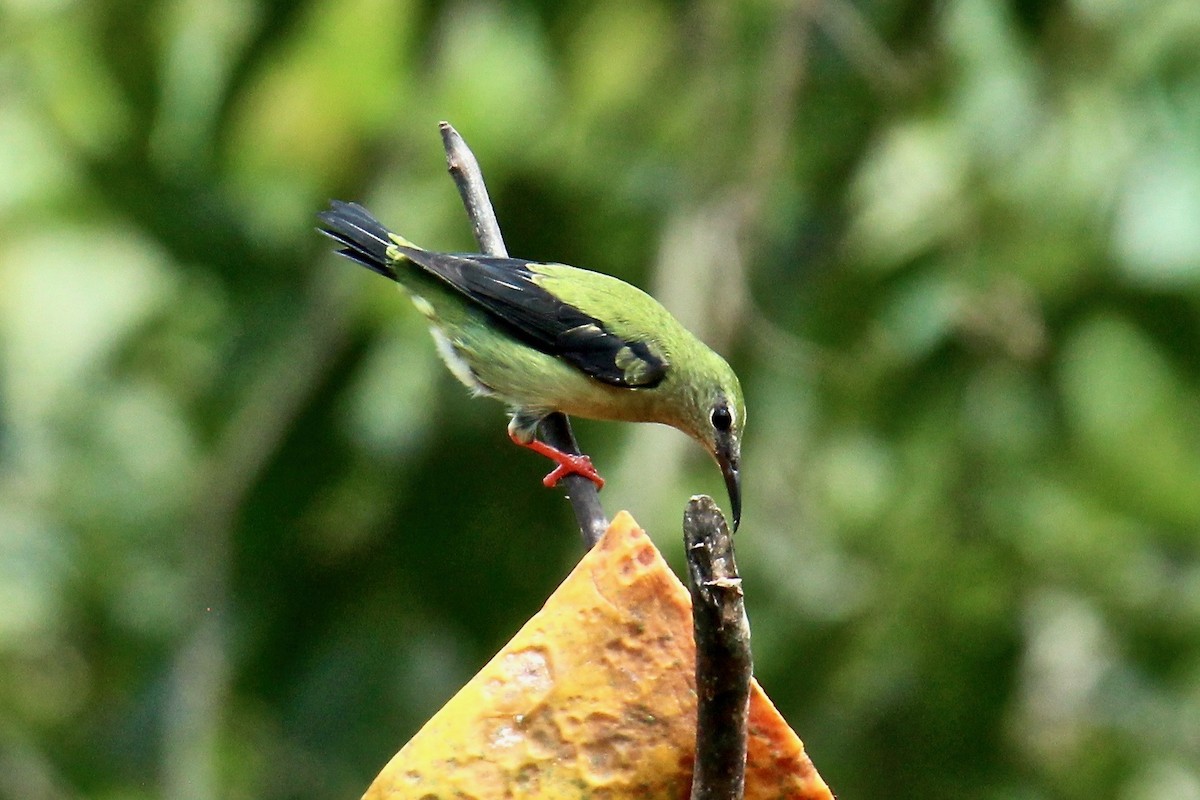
[[507, 289], [365, 241]]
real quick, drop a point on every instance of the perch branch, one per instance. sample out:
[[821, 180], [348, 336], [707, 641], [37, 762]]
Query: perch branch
[[555, 430], [723, 661]]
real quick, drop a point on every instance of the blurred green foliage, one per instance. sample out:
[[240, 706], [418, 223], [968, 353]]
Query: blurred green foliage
[[252, 535]]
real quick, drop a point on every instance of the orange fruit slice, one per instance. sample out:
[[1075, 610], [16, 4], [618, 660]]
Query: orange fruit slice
[[594, 697]]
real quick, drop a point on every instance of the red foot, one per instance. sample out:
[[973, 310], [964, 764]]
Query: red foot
[[568, 463]]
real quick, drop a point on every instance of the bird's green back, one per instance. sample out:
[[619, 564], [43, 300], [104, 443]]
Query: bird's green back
[[695, 371]]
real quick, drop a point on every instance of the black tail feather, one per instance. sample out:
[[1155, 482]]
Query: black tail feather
[[366, 240]]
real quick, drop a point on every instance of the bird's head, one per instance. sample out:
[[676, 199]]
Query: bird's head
[[716, 418]]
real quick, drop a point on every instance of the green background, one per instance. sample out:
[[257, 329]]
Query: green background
[[252, 534]]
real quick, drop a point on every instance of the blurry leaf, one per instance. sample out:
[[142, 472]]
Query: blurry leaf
[[1156, 236], [1069, 168], [339, 79], [860, 477], [203, 39], [142, 458], [67, 297], [993, 98], [1132, 414], [1068, 655], [392, 401], [908, 195], [494, 79], [34, 170], [77, 87], [616, 46], [1007, 413], [1061, 524], [920, 315], [1166, 777], [34, 564], [1153, 33]]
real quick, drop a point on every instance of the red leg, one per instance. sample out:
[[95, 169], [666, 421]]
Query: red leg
[[568, 463]]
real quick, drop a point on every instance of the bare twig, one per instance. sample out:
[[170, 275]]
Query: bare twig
[[723, 661], [585, 499], [464, 168], [555, 429]]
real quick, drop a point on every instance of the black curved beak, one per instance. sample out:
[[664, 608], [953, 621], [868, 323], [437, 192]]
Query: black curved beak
[[733, 483]]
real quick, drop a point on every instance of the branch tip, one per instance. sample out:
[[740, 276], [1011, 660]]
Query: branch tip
[[723, 660], [555, 430]]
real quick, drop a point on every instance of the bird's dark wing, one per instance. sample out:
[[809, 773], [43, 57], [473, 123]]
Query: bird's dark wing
[[508, 289]]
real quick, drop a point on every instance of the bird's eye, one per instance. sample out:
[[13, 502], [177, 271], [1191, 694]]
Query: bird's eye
[[721, 418]]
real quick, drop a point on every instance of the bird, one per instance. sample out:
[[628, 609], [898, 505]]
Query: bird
[[545, 338]]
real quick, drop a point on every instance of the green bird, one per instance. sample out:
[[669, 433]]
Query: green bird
[[549, 337]]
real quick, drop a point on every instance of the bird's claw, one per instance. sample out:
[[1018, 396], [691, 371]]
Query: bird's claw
[[567, 463], [570, 464]]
